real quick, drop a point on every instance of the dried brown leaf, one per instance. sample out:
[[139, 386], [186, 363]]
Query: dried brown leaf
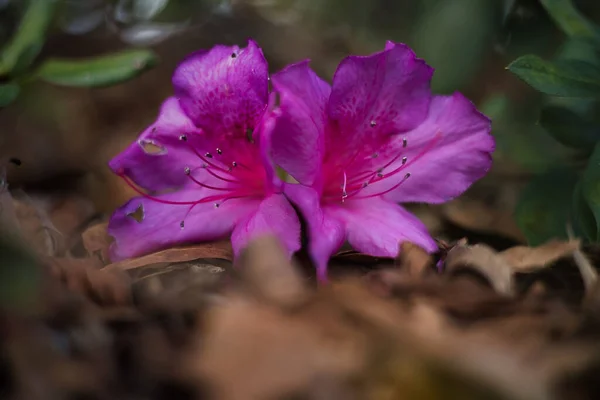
[[220, 250], [529, 259], [413, 259], [267, 270], [485, 261], [106, 287], [96, 242]]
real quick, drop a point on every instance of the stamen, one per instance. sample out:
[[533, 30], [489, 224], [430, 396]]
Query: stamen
[[196, 181], [182, 224], [187, 170], [404, 142], [404, 159], [208, 155], [163, 201], [219, 152], [384, 192], [183, 138], [373, 124]]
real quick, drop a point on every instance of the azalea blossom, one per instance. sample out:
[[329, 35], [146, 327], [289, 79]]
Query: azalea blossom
[[375, 138], [202, 168]]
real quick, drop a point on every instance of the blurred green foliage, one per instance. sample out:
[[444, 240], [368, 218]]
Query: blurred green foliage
[[559, 198], [19, 64]]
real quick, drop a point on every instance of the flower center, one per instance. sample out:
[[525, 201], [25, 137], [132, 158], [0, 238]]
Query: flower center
[[230, 178], [365, 170]]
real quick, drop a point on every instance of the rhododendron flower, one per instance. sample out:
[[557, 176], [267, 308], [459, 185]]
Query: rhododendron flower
[[375, 138], [203, 164]]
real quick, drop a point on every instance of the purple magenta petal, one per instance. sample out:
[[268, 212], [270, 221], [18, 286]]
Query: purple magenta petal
[[224, 90], [157, 159], [326, 234], [160, 225], [298, 138], [377, 227], [445, 155], [274, 216], [378, 95]]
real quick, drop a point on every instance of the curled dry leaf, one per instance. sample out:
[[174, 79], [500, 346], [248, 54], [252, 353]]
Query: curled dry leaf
[[96, 242], [82, 276], [484, 260], [413, 259], [269, 273], [529, 259], [220, 250]]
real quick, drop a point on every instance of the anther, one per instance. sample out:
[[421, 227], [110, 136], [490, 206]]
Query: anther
[[187, 170], [365, 184], [183, 138], [233, 55], [219, 151], [182, 224], [375, 155], [208, 155], [234, 164], [404, 142], [373, 124], [379, 175], [217, 205], [407, 175], [404, 159]]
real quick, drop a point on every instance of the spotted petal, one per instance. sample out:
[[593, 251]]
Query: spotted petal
[[298, 137], [159, 225], [378, 95], [445, 155], [224, 90], [325, 233], [377, 227], [156, 161], [274, 216]]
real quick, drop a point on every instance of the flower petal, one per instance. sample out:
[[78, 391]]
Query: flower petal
[[377, 227], [374, 96], [274, 216], [446, 154], [224, 90], [298, 137], [325, 233], [157, 159], [160, 224]]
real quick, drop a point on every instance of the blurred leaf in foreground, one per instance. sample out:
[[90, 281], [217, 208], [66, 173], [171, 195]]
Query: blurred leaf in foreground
[[8, 93], [590, 185], [569, 128], [570, 20], [566, 78], [97, 71], [29, 38], [544, 207]]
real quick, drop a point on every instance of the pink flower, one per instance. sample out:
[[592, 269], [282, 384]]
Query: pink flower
[[204, 161], [375, 138]]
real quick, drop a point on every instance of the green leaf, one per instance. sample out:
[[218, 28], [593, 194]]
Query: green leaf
[[29, 39], [570, 20], [20, 277], [565, 78], [97, 71], [582, 217], [569, 128], [544, 206], [8, 93], [590, 186]]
